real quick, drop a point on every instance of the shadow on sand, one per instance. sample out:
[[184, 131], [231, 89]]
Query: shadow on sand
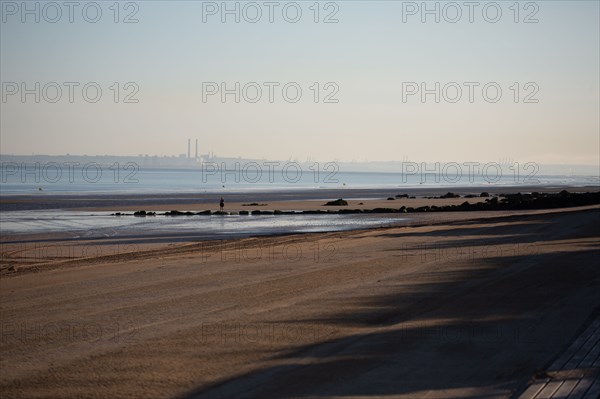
[[474, 332]]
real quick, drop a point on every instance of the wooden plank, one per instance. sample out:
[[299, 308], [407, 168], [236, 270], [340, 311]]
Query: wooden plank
[[579, 341], [581, 388], [594, 391], [566, 388], [582, 352], [548, 391], [589, 359], [533, 390]]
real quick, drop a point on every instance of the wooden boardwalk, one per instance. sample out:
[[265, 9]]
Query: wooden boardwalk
[[576, 372]]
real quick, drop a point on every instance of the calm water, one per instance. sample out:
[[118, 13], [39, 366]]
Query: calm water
[[101, 224], [105, 180], [123, 180]]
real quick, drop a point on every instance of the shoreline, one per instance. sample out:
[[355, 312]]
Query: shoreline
[[125, 201], [392, 308], [39, 252]]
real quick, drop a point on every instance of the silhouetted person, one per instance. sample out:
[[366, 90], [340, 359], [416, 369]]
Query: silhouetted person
[[222, 204]]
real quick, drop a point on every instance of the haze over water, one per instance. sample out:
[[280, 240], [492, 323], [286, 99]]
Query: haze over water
[[156, 180]]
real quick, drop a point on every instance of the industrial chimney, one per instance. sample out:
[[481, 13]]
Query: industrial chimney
[[196, 149], [189, 144]]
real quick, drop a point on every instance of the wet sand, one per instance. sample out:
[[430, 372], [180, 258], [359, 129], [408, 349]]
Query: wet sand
[[453, 305], [282, 199]]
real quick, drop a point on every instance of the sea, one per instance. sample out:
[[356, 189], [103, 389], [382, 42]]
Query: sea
[[44, 183], [131, 179]]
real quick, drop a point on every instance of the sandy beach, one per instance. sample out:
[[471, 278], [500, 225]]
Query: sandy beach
[[465, 304], [300, 200]]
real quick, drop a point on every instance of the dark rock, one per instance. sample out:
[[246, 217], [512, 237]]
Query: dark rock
[[339, 202], [450, 195]]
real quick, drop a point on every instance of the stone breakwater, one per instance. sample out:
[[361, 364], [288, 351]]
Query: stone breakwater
[[500, 202]]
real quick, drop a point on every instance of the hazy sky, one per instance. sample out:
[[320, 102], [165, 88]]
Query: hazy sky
[[370, 57]]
